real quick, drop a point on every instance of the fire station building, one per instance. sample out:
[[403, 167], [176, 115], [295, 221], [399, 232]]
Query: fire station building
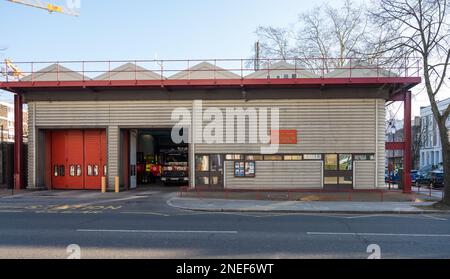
[[89, 120]]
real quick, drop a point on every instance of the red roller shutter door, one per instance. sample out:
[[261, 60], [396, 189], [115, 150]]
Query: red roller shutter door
[[94, 158], [74, 163], [58, 159], [78, 158]]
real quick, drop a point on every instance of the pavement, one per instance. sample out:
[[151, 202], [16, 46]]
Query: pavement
[[93, 201], [221, 205], [142, 224]]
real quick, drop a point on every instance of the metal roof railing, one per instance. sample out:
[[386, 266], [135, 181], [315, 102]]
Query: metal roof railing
[[209, 69]]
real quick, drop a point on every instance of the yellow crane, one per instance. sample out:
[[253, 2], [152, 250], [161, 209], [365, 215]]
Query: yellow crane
[[70, 9], [11, 70]]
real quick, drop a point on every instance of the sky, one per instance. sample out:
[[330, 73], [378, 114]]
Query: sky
[[145, 29]]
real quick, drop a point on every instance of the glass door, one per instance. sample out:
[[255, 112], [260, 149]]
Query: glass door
[[338, 171], [209, 170], [216, 170]]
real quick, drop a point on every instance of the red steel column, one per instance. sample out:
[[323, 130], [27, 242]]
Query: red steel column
[[18, 142], [407, 140]]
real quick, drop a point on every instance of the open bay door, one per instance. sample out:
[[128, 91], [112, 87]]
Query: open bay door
[[133, 162]]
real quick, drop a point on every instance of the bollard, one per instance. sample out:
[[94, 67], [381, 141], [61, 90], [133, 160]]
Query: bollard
[[103, 184], [116, 184]]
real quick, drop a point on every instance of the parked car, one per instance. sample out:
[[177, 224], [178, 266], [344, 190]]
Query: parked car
[[433, 179], [393, 176], [414, 174], [424, 171]]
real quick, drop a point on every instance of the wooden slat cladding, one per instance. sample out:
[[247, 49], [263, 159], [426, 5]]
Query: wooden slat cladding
[[364, 175], [323, 126], [135, 113], [278, 175], [380, 157], [112, 135], [32, 149]]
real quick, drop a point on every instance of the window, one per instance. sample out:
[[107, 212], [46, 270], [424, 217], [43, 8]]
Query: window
[[293, 157], [231, 157], [105, 170], [216, 163], [345, 180], [202, 163], [78, 170], [331, 162], [72, 170], [294, 75], [312, 157], [202, 180], [333, 180], [89, 170], [345, 162], [96, 173], [62, 170], [364, 157], [273, 158], [55, 170], [254, 158]]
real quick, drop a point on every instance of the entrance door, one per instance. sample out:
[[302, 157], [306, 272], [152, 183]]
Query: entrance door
[[209, 170], [338, 171], [133, 161]]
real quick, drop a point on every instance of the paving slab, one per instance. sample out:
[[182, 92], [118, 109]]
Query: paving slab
[[220, 205]]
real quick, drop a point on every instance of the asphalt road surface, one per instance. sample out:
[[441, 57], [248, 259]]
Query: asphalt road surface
[[142, 225]]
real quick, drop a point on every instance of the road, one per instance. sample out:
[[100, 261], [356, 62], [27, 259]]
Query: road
[[142, 225]]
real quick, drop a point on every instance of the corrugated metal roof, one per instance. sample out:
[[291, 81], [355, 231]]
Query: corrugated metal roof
[[280, 69], [55, 72], [129, 71], [205, 70]]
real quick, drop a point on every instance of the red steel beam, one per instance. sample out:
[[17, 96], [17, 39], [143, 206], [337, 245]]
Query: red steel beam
[[395, 145], [210, 82], [18, 142], [407, 148]]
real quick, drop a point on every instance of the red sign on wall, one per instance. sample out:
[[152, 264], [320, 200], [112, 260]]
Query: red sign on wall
[[283, 137]]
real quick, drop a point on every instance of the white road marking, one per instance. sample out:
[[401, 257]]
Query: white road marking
[[11, 211], [111, 200], [379, 234], [435, 218], [156, 231], [7, 207], [144, 213]]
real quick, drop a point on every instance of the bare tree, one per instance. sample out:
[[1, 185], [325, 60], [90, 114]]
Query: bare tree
[[274, 42], [421, 28], [324, 32]]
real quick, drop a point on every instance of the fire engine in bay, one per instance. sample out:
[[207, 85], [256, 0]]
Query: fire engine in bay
[[175, 167]]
